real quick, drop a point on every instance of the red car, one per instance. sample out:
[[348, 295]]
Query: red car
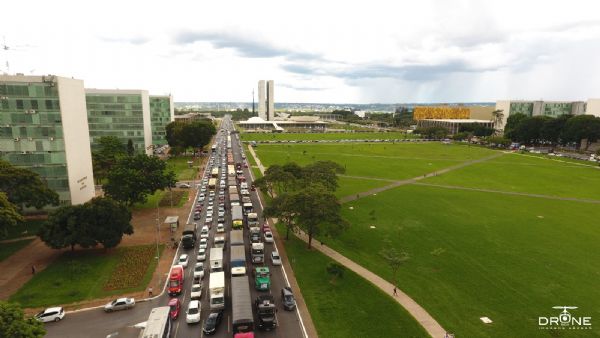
[[266, 227], [245, 165], [175, 306]]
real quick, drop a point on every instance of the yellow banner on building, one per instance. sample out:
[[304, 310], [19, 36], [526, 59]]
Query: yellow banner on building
[[444, 112]]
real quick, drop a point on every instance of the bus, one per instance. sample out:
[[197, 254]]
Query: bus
[[212, 183], [158, 324], [231, 170], [242, 320], [214, 172]]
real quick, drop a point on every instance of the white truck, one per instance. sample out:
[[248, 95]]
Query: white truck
[[258, 253], [252, 219], [216, 290], [216, 259]]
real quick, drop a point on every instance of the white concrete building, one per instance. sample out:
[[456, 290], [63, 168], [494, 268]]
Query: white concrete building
[[593, 107], [266, 99], [45, 129]]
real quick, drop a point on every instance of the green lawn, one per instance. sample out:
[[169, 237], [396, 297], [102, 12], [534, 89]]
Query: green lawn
[[77, 276], [528, 174], [380, 160], [27, 228], [352, 307], [323, 136], [475, 254], [181, 168], [7, 249], [151, 200], [351, 186]]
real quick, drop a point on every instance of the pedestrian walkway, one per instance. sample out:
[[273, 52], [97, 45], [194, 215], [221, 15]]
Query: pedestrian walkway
[[421, 316], [416, 179]]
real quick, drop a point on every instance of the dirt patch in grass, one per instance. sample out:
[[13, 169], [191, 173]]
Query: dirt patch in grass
[[132, 267]]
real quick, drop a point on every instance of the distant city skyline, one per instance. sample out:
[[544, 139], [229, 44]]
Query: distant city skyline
[[377, 51]]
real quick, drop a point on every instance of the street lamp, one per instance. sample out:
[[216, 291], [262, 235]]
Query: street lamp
[[157, 231]]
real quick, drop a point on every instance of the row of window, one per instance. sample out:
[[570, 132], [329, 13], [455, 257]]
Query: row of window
[[91, 98], [115, 109], [12, 104], [28, 90]]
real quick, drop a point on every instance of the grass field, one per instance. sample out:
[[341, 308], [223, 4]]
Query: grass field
[[78, 276], [478, 254], [181, 168], [352, 307], [323, 136], [7, 249], [27, 228], [151, 200], [528, 174], [351, 186], [382, 160]]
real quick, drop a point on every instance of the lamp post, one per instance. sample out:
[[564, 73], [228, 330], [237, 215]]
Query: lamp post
[[157, 231]]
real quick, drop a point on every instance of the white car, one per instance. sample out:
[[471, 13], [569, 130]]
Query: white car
[[211, 202], [209, 210], [52, 314], [211, 193], [196, 292], [245, 192], [204, 232], [203, 189], [220, 227], [201, 198], [244, 185], [209, 219], [268, 237], [199, 270], [201, 255], [275, 259], [192, 315], [183, 260], [203, 243], [221, 213], [119, 304]]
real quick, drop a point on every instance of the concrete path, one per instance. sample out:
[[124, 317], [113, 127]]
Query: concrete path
[[550, 197], [17, 239], [416, 179], [421, 316]]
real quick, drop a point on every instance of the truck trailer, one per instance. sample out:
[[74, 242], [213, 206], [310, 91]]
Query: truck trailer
[[216, 290]]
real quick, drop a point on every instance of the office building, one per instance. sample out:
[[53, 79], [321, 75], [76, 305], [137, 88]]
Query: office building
[[162, 113], [43, 127], [266, 99], [538, 108], [121, 113], [592, 107]]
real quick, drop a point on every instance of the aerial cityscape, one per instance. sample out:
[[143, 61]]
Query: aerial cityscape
[[300, 169]]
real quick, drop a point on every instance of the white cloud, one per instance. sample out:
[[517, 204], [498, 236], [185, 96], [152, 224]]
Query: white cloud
[[319, 51]]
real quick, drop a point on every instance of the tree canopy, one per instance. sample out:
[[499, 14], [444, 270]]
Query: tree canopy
[[183, 135], [99, 221], [9, 215], [13, 323], [110, 149], [25, 188], [132, 179]]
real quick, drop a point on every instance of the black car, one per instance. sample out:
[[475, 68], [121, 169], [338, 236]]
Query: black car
[[212, 322], [287, 298]]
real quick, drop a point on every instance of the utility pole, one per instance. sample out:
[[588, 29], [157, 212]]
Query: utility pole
[[252, 101]]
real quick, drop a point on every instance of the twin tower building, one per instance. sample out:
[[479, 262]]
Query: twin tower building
[[51, 124], [266, 99]]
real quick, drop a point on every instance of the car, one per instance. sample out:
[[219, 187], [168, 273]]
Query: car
[[197, 215], [203, 189], [211, 193], [211, 202], [175, 308], [266, 227], [209, 209], [222, 213], [199, 268], [220, 227], [204, 232], [221, 219], [209, 219], [192, 315], [201, 198], [196, 292], [51, 314], [203, 243], [245, 192], [185, 185], [212, 322], [275, 258], [245, 165], [221, 192], [119, 304], [287, 299], [268, 237], [183, 260]]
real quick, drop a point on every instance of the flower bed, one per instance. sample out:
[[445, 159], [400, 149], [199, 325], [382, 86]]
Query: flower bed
[[132, 267]]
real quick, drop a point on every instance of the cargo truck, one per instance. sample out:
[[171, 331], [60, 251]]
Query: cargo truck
[[237, 217], [238, 260], [216, 290], [242, 320], [265, 311], [188, 236], [258, 253], [216, 259], [262, 278], [176, 280], [252, 219]]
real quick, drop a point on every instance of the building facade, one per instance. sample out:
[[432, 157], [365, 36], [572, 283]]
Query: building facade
[[266, 99], [121, 113], [538, 108], [43, 127], [162, 113]]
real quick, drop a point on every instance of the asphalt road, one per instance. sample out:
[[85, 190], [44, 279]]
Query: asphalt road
[[95, 323]]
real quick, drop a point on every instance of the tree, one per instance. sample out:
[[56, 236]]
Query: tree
[[196, 134], [282, 207], [582, 127], [107, 221], [66, 228], [433, 132], [130, 148], [133, 178], [25, 188], [511, 123], [9, 216], [317, 211], [394, 259], [323, 173], [528, 130], [335, 270], [13, 323], [110, 149]]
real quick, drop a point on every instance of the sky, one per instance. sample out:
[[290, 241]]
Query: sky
[[316, 51]]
